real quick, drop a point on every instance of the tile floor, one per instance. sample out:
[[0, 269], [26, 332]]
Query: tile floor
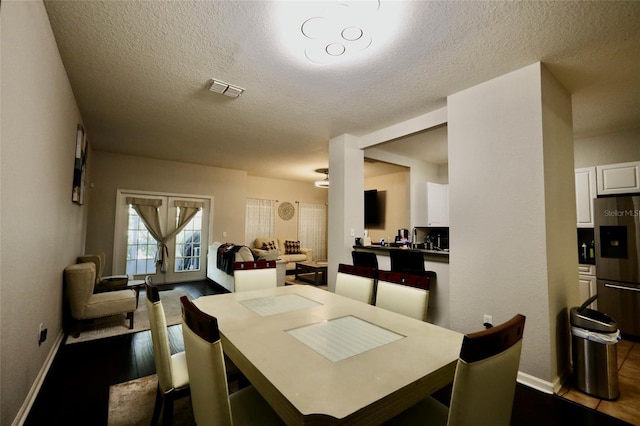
[[627, 406]]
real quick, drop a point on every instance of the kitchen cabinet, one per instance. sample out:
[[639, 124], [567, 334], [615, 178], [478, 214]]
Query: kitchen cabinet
[[621, 178], [430, 205], [587, 284], [585, 193]]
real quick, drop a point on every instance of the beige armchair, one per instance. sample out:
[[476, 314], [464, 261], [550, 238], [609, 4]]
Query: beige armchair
[[115, 282], [84, 304]]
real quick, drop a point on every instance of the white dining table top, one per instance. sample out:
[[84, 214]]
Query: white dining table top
[[321, 358]]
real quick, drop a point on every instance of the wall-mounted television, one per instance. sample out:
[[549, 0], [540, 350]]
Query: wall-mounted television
[[372, 209]]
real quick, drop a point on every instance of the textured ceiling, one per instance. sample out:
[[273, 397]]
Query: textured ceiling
[[140, 73]]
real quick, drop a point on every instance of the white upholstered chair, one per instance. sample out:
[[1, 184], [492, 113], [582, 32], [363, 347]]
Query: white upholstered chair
[[84, 304], [211, 402], [256, 275], [173, 377], [484, 384], [356, 282], [405, 294]]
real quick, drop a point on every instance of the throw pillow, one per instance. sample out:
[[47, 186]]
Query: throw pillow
[[271, 245], [292, 247]]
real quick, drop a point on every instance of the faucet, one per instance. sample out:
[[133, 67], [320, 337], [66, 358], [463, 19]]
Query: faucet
[[414, 237]]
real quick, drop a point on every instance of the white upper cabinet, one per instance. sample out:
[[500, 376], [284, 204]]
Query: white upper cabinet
[[622, 178], [437, 204], [430, 204], [585, 193]]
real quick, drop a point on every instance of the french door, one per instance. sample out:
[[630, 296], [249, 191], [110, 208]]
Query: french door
[[136, 250]]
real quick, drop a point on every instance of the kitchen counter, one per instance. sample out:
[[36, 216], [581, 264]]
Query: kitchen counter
[[435, 261], [429, 255]]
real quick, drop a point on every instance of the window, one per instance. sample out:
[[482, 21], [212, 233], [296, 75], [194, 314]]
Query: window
[[188, 245], [141, 247]]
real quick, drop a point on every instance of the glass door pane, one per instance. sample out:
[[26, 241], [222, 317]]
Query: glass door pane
[[141, 247], [188, 246]]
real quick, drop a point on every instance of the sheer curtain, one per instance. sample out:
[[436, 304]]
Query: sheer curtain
[[312, 228], [260, 220]]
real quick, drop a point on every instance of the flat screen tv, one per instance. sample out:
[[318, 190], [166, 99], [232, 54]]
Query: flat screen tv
[[371, 208]]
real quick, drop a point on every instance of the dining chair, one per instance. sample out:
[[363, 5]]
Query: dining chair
[[364, 258], [256, 275], [210, 399], [173, 377], [407, 261], [406, 294], [356, 282], [484, 383]]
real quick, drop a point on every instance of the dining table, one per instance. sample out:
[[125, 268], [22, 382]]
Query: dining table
[[321, 358]]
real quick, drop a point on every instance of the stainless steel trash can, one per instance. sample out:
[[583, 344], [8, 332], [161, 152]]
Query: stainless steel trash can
[[594, 338]]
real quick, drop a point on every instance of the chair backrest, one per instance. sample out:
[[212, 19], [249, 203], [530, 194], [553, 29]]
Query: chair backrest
[[405, 294], [255, 275], [205, 363], [408, 261], [159, 337], [97, 259], [80, 280], [485, 378], [356, 282], [364, 258]]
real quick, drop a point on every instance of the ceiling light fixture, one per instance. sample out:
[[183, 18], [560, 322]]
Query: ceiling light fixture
[[339, 31], [226, 89], [325, 182]]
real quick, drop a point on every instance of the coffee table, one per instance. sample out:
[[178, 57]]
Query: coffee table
[[318, 269]]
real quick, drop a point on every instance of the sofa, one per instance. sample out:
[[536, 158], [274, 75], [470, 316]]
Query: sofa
[[271, 248], [220, 276]]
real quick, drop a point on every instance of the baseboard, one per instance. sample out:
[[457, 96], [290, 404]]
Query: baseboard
[[21, 417], [535, 383]]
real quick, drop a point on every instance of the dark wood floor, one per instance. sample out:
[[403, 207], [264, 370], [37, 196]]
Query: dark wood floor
[[76, 389]]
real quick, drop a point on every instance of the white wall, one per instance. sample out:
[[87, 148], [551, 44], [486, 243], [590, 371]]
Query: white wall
[[396, 209], [293, 192], [114, 171], [506, 210], [42, 231], [609, 148]]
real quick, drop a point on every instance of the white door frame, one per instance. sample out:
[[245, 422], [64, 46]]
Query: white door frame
[[119, 250]]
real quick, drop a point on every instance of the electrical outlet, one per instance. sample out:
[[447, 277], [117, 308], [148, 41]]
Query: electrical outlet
[[42, 334], [487, 319]]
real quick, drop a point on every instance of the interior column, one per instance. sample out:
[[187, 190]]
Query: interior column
[[346, 201], [512, 213]]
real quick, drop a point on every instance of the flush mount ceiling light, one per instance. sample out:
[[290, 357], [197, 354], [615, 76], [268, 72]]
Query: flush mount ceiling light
[[325, 182], [226, 89], [340, 31]]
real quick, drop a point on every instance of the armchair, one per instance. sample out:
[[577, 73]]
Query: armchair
[[115, 282], [84, 304]]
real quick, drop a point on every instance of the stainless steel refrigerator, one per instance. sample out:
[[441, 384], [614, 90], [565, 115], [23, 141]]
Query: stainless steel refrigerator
[[617, 235]]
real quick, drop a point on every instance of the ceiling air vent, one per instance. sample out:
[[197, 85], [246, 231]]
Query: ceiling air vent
[[226, 89]]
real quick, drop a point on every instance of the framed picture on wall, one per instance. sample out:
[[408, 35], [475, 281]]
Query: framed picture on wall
[[79, 166]]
